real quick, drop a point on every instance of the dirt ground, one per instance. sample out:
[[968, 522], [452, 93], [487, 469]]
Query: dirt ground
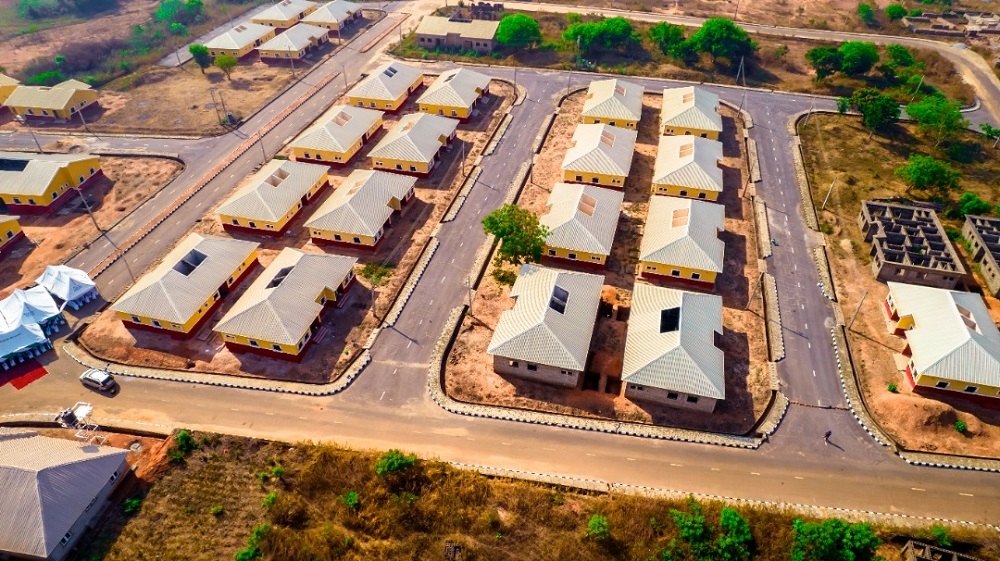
[[470, 377], [346, 328], [918, 423], [51, 239]]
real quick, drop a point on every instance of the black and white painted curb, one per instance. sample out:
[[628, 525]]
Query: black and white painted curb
[[841, 371], [822, 262]]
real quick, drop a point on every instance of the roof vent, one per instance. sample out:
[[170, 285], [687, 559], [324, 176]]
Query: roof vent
[[679, 217], [559, 298], [189, 262], [608, 138], [280, 276], [619, 89], [390, 72], [342, 118], [670, 320], [449, 77], [587, 205], [686, 150], [688, 97], [240, 28]]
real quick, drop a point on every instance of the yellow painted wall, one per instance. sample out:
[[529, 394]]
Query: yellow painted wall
[[286, 23], [581, 256], [79, 100], [6, 91], [623, 123], [299, 153], [385, 104], [689, 192], [266, 225], [289, 55], [904, 322], [958, 387], [345, 237], [8, 230], [71, 175], [665, 270], [616, 181], [264, 344], [446, 110], [680, 131], [411, 167]]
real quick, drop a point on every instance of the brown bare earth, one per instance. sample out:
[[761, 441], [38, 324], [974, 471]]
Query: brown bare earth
[[830, 144], [127, 183], [346, 328], [470, 377]]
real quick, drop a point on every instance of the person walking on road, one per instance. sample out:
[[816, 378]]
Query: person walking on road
[[826, 437]]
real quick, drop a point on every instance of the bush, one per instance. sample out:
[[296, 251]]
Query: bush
[[132, 505], [895, 11], [268, 501], [892, 388], [941, 535], [961, 427], [252, 550], [351, 499], [185, 442], [175, 455], [393, 461], [277, 472], [598, 528], [47, 78], [216, 510]]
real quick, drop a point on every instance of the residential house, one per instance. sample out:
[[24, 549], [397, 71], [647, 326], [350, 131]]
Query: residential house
[[681, 242], [614, 102], [60, 102], [337, 136], [240, 41], [688, 166], [181, 293], [671, 357], [690, 111], [72, 287], [285, 14], [358, 211], [55, 491], [7, 86], [414, 145], [546, 336], [334, 16], [10, 233], [599, 155], [33, 183], [435, 32], [952, 345], [454, 93], [582, 223], [281, 311], [271, 198], [983, 235], [293, 44], [387, 87]]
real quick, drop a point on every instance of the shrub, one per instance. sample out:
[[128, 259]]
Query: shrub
[[867, 14], [216, 510], [132, 505], [941, 535], [393, 461], [268, 501], [185, 442], [598, 528], [892, 388], [961, 427], [351, 499], [175, 455], [895, 11], [277, 471], [252, 550], [47, 78]]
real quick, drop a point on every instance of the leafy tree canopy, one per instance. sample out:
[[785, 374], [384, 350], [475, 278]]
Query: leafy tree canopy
[[721, 38], [895, 11], [833, 540], [825, 60], [666, 36], [520, 233], [970, 203], [859, 57], [226, 63], [924, 172], [608, 34], [517, 31], [877, 109], [938, 117], [201, 56], [867, 14], [393, 461]]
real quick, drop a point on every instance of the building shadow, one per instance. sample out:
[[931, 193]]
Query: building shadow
[[731, 138], [732, 284], [732, 184]]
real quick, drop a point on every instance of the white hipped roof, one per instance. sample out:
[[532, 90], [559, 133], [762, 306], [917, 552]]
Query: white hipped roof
[[684, 232], [600, 148], [953, 336], [44, 97], [482, 29], [65, 283], [332, 12], [338, 129], [459, 87], [582, 217], [361, 204], [689, 161], [48, 483], [294, 39], [534, 330], [270, 193], [417, 137], [671, 342], [614, 99], [692, 108], [240, 36], [387, 82], [38, 173], [284, 10]]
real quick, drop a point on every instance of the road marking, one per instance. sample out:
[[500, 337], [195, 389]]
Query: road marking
[[754, 473], [420, 322], [549, 449], [408, 343], [381, 396], [800, 478], [807, 327], [803, 306], [917, 489], [233, 409], [814, 373], [795, 267], [452, 260], [461, 244], [967, 494], [430, 303], [809, 345], [589, 454], [677, 465], [792, 249], [630, 459], [798, 285]]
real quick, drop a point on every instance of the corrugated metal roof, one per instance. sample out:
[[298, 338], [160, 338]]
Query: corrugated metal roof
[[38, 173], [684, 359], [332, 12], [274, 190], [684, 232], [583, 217], [167, 293], [285, 10], [72, 84], [47, 485], [417, 137], [476, 29], [239, 36], [361, 204], [534, 331], [283, 313], [295, 38], [690, 107], [953, 335], [65, 283], [6, 80], [600, 148], [32, 305], [614, 99], [41, 97], [338, 129], [459, 87], [689, 161], [387, 82]]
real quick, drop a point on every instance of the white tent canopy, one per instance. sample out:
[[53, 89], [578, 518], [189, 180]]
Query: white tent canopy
[[73, 286], [18, 339], [34, 305]]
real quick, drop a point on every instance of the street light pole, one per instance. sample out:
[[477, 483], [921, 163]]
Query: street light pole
[[260, 140], [32, 133]]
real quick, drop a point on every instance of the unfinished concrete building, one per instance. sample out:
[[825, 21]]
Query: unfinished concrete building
[[909, 245], [983, 234]]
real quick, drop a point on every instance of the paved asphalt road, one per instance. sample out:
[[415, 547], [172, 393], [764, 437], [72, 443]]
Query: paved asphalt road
[[387, 406]]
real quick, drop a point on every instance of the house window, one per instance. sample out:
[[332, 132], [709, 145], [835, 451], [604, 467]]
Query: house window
[[175, 325], [683, 193], [692, 399], [695, 276], [10, 234], [17, 200], [532, 367], [704, 135], [595, 180], [305, 154], [971, 389], [388, 106], [595, 257], [636, 388], [114, 477], [579, 178], [671, 395], [300, 345], [31, 201], [941, 385], [253, 224], [413, 168], [612, 123], [65, 539], [701, 195], [337, 237], [372, 104], [45, 111], [276, 348], [135, 319], [55, 195], [235, 223], [357, 240], [513, 364], [675, 273], [254, 343], [552, 253], [399, 166], [380, 164], [572, 256], [156, 323], [454, 113]]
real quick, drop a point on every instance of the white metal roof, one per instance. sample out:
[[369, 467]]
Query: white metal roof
[[387, 82], [417, 137], [185, 278], [332, 12], [338, 129], [684, 232], [240, 36], [274, 190], [678, 357], [43, 97], [689, 161], [601, 148], [6, 80], [953, 335], [284, 10], [65, 283], [535, 331], [294, 39], [283, 302], [459, 87], [361, 204], [38, 173], [582, 217], [476, 29], [614, 99], [690, 107], [47, 485]]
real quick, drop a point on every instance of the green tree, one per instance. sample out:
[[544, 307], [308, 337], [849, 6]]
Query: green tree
[[518, 31], [895, 11], [616, 33], [899, 55], [735, 541], [693, 530], [991, 132], [970, 203], [226, 63], [721, 38], [859, 57], [666, 36], [877, 109], [178, 29], [48, 78], [201, 57], [825, 60], [833, 540], [519, 232], [598, 528], [867, 14], [394, 461], [843, 105], [924, 172], [938, 117]]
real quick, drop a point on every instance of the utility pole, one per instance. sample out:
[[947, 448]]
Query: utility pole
[[468, 280], [515, 82], [463, 156], [828, 193], [90, 212], [215, 105], [260, 140], [809, 114], [32, 133], [82, 120], [917, 90], [737, 13], [292, 60], [855, 316], [225, 110], [756, 288]]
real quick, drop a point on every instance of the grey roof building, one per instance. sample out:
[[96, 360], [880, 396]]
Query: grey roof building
[[690, 110], [615, 102], [582, 218], [435, 32], [689, 164], [274, 194]]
